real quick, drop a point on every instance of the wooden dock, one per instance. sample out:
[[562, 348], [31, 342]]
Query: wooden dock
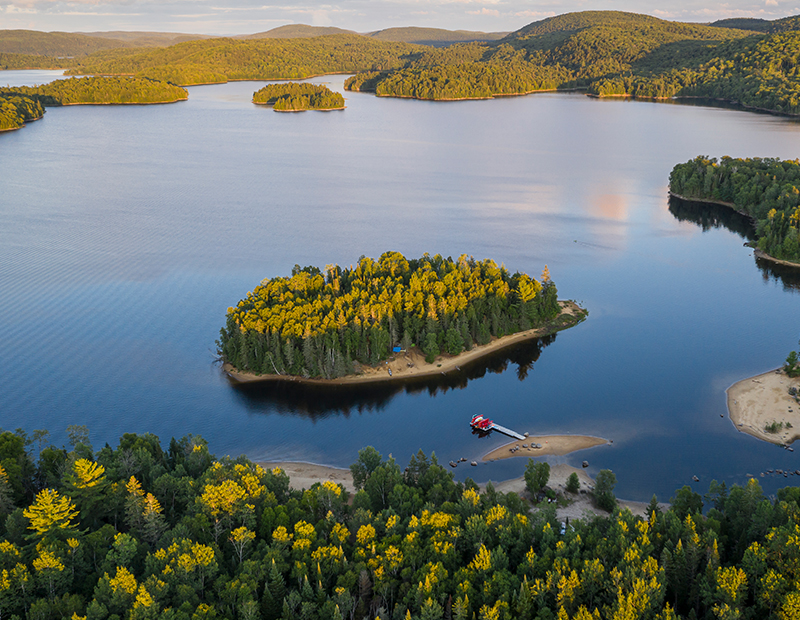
[[506, 431]]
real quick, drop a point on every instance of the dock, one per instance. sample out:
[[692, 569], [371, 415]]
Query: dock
[[506, 431]]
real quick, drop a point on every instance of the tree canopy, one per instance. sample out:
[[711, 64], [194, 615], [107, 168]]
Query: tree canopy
[[105, 90], [144, 531]]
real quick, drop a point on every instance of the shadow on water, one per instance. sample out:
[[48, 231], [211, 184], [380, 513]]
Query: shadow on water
[[319, 401], [709, 215]]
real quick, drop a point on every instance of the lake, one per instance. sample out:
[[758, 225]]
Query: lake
[[126, 232]]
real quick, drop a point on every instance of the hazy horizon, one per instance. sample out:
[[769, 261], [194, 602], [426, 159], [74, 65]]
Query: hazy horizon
[[232, 17]]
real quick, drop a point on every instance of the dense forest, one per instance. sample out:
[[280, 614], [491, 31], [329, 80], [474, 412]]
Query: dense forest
[[325, 325], [140, 531], [93, 90], [573, 51], [220, 60], [292, 97], [16, 110], [767, 190]]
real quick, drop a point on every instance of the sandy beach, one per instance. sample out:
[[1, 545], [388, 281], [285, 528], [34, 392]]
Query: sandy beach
[[411, 364], [554, 445], [303, 475], [757, 402]]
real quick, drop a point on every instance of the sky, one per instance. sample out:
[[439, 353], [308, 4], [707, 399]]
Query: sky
[[229, 17]]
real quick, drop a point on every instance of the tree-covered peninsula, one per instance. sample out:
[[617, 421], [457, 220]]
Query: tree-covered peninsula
[[100, 90], [767, 190], [220, 60], [294, 97], [316, 324], [140, 532], [16, 110]]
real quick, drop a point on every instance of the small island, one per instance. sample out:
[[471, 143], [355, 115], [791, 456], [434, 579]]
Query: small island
[[297, 97], [765, 190], [386, 320]]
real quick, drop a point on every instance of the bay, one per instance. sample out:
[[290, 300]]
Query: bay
[[126, 232]]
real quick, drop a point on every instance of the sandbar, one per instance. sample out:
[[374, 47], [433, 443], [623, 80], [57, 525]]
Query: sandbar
[[756, 402], [552, 445], [411, 364]]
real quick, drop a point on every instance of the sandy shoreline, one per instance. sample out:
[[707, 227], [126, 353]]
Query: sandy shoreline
[[304, 475], [411, 364], [552, 445], [756, 402]]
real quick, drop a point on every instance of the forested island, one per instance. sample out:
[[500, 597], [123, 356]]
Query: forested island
[[328, 325], [294, 97], [140, 531], [765, 189]]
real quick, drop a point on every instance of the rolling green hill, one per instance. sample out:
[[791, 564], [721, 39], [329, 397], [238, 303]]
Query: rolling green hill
[[612, 53]]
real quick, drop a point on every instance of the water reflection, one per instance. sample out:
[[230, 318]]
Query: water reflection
[[316, 402], [708, 216]]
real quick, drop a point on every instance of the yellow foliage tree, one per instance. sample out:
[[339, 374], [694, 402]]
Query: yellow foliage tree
[[51, 515]]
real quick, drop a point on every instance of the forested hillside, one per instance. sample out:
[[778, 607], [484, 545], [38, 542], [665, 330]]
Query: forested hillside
[[323, 325], [219, 60], [95, 90], [611, 53], [768, 190], [294, 97], [140, 531]]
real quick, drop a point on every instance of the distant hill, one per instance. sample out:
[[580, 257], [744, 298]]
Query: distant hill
[[743, 23], [54, 43], [147, 39], [70, 44], [435, 37], [296, 31], [785, 24]]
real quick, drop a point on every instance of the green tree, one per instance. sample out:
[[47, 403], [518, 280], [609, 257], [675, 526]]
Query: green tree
[[536, 476], [604, 490]]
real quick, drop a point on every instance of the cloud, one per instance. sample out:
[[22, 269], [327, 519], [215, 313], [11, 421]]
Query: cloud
[[770, 3], [485, 11]]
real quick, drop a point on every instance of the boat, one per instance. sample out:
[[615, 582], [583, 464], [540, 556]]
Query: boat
[[481, 423]]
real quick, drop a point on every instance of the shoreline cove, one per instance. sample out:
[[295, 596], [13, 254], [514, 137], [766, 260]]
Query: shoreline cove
[[758, 253], [411, 364]]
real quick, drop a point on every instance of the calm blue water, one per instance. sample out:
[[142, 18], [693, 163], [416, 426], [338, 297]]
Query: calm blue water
[[126, 232]]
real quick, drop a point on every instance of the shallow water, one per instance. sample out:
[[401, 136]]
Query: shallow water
[[126, 232]]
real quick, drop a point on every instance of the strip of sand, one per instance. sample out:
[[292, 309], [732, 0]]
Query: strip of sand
[[304, 475], [760, 401], [411, 364], [553, 445], [581, 506]]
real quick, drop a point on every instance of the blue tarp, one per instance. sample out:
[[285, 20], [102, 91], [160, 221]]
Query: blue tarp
[[396, 350]]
